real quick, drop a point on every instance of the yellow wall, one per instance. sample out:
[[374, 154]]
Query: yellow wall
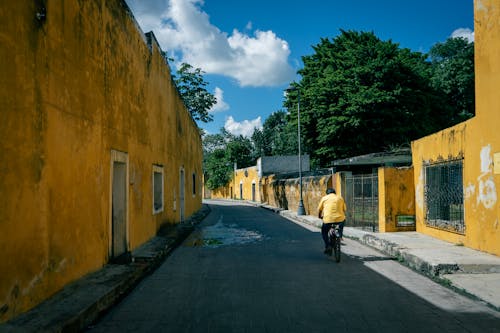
[[477, 141], [243, 181], [285, 193], [246, 177], [396, 197], [73, 88]]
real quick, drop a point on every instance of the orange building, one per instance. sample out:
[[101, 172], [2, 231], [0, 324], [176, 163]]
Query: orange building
[[97, 148]]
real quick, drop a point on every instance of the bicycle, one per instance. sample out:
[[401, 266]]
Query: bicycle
[[334, 238]]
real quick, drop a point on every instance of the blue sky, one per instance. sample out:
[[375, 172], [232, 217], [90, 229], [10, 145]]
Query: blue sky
[[252, 49]]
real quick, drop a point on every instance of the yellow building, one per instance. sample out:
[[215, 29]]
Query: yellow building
[[244, 185], [97, 149], [457, 170]]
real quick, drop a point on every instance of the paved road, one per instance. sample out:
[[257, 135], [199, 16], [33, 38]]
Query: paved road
[[249, 270]]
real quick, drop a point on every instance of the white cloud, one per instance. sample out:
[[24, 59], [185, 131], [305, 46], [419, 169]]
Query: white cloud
[[465, 33], [245, 128], [221, 105], [186, 33]]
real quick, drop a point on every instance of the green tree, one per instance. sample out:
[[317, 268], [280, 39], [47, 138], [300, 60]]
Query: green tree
[[277, 136], [217, 169], [239, 150], [453, 76], [212, 142], [259, 144], [220, 152], [360, 94], [192, 88]]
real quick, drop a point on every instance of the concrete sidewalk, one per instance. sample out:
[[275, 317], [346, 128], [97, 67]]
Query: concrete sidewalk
[[80, 303], [475, 273]]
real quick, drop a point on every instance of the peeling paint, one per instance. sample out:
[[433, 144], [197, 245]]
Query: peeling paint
[[419, 190], [486, 159], [480, 6], [469, 191], [487, 194]]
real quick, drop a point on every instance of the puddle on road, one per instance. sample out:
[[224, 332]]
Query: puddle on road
[[220, 234]]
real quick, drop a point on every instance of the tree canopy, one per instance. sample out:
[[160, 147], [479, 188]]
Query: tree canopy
[[221, 152], [453, 76], [192, 88], [360, 94], [277, 137]]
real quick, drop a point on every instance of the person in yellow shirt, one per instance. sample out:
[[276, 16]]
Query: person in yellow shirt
[[332, 210]]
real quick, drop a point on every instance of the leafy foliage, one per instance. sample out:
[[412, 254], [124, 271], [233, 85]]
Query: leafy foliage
[[217, 169], [277, 136], [360, 94], [221, 152], [192, 88], [453, 76]]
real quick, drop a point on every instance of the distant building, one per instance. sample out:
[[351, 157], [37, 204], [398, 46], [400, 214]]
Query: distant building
[[267, 165]]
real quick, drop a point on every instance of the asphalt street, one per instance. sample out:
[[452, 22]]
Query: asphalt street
[[246, 269]]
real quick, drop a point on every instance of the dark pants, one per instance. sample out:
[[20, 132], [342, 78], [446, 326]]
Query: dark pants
[[326, 227]]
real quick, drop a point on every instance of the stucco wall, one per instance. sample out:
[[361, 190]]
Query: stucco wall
[[477, 141], [285, 193], [74, 87], [244, 185], [396, 197]]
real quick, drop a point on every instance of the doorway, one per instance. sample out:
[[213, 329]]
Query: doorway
[[119, 208], [181, 193]]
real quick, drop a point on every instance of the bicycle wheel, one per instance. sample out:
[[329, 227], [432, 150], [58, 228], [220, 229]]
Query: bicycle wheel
[[336, 248]]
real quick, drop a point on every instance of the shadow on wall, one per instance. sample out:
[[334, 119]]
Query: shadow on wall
[[280, 198], [284, 193]]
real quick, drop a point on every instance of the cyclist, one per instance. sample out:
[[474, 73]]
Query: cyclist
[[331, 209]]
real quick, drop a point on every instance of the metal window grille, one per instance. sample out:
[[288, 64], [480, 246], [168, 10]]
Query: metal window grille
[[444, 196]]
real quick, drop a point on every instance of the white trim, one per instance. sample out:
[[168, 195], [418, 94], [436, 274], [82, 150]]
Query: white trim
[[158, 169]]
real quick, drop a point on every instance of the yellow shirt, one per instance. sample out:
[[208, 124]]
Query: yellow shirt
[[332, 207]]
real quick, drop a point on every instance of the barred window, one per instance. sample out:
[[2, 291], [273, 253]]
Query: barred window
[[444, 196]]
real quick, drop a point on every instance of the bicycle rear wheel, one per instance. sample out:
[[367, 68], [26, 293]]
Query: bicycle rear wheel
[[336, 248]]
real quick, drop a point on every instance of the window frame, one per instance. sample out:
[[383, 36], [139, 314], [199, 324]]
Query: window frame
[[444, 200], [158, 170]]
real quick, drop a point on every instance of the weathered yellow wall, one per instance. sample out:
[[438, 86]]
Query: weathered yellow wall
[[285, 193], [72, 88], [221, 193], [243, 180], [246, 177], [448, 144], [396, 196], [476, 140]]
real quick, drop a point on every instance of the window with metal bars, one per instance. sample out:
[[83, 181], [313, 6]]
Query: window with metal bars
[[444, 196]]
